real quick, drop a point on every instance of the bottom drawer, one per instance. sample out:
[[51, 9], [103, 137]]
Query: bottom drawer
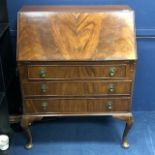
[[91, 105]]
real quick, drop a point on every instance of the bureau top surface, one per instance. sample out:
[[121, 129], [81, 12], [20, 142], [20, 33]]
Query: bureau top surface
[[75, 33], [74, 8]]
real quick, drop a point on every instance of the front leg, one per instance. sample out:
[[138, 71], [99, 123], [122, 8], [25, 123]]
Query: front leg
[[26, 121], [129, 122]]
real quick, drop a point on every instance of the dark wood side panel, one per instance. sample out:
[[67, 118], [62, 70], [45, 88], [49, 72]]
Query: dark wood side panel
[[76, 105]]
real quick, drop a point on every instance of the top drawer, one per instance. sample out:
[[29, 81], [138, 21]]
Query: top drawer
[[51, 72]]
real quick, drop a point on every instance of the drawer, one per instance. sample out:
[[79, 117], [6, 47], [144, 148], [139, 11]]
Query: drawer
[[80, 105], [76, 72], [77, 88]]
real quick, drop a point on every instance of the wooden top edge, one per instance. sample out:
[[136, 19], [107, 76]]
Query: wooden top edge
[[68, 8], [87, 60]]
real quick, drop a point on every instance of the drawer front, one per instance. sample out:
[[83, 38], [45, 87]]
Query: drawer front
[[76, 88], [76, 72], [90, 105]]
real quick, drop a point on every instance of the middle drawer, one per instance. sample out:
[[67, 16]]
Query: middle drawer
[[77, 88]]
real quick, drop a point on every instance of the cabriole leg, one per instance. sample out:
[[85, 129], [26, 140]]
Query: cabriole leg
[[128, 126], [26, 121], [25, 126], [129, 123]]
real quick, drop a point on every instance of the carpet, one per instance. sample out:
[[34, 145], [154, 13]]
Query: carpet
[[88, 136]]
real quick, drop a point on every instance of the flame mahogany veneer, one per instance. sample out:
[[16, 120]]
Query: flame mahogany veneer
[[76, 61]]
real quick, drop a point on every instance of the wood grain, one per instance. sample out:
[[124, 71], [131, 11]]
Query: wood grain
[[75, 70], [75, 35], [76, 88], [79, 105], [65, 54], [70, 72]]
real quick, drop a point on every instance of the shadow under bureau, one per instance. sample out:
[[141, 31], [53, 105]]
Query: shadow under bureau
[[76, 61]]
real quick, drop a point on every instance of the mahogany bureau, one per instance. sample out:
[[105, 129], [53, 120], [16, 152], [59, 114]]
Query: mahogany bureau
[[76, 61]]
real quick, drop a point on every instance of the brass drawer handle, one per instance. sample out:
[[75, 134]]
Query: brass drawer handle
[[111, 88], [109, 105], [42, 73], [44, 105], [112, 71], [43, 88]]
